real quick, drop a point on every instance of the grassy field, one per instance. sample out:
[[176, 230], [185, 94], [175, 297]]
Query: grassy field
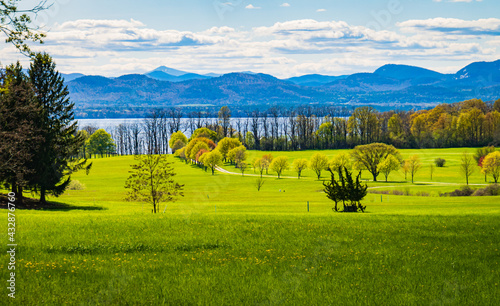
[[227, 243]]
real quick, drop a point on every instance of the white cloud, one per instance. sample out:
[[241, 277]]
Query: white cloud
[[321, 10], [285, 5], [453, 26], [251, 7], [115, 47]]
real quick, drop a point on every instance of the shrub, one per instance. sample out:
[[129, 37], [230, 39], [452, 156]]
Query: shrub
[[440, 162], [423, 194], [397, 192], [76, 185], [491, 190], [465, 191]]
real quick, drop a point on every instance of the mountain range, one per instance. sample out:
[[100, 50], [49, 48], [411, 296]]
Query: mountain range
[[389, 87]]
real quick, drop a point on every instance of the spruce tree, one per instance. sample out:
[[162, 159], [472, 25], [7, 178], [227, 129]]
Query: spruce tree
[[57, 158], [19, 132]]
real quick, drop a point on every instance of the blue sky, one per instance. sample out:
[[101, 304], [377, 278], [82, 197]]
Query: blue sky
[[283, 38]]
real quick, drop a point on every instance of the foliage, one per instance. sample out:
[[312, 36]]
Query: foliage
[[345, 189], [440, 162], [467, 167], [101, 143], [198, 146], [16, 25], [212, 160], [76, 185], [490, 190], [318, 163], [20, 134], [204, 132], [389, 164], [340, 161], [177, 141], [237, 155], [413, 164], [491, 165], [259, 183], [371, 155], [299, 165], [151, 181], [267, 159], [280, 164], [465, 191], [227, 144], [58, 157]]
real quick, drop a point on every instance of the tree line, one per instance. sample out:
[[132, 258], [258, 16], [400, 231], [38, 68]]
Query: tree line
[[469, 123]]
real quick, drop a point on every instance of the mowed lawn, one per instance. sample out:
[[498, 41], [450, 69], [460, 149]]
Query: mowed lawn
[[225, 243]]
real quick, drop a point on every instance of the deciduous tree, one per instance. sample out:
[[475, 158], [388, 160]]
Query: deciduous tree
[[413, 164], [152, 181], [389, 164], [101, 143], [371, 155], [491, 165], [318, 163], [280, 164], [299, 165], [467, 166]]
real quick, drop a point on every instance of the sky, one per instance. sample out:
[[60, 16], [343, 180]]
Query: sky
[[284, 38]]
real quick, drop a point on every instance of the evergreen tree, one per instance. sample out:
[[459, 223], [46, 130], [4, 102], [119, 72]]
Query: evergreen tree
[[57, 158], [20, 136]]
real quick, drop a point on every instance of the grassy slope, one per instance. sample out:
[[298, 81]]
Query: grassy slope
[[226, 243]]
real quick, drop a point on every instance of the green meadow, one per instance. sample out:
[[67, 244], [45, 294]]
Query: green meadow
[[225, 243]]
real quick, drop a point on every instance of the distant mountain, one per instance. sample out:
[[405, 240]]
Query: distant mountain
[[162, 76], [170, 71], [484, 72], [71, 76], [405, 72], [390, 86], [314, 79]]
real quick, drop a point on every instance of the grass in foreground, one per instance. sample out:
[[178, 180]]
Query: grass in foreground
[[226, 243]]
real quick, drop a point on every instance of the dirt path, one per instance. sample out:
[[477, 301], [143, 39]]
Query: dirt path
[[430, 184]]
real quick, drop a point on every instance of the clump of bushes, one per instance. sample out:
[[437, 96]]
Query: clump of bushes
[[440, 162], [465, 191], [76, 185], [490, 190], [405, 192]]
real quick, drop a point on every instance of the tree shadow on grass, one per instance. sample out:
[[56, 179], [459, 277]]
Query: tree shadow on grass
[[33, 204]]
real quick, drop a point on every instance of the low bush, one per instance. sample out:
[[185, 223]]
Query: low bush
[[76, 185], [490, 190], [440, 162], [465, 191]]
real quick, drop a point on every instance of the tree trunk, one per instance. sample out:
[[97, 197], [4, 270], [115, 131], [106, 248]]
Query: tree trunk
[[42, 196], [20, 194]]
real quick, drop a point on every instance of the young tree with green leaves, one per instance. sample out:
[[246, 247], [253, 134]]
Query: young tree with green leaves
[[413, 164], [467, 166], [491, 165], [318, 163], [212, 160], [101, 143], [280, 164], [299, 165], [177, 140], [58, 157], [371, 155], [340, 161], [151, 181], [389, 164]]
